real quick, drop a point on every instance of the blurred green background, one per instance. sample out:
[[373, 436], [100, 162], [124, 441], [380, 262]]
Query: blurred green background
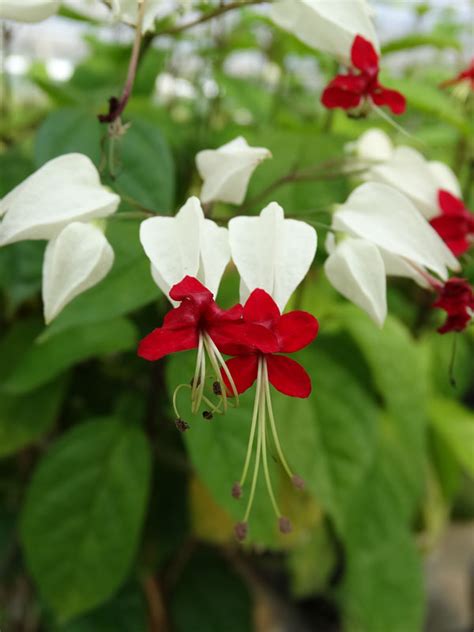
[[109, 518]]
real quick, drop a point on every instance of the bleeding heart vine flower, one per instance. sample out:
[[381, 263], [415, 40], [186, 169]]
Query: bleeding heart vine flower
[[61, 203], [463, 82], [185, 245], [351, 90], [261, 361], [28, 10], [326, 25], [456, 298], [417, 178], [226, 171], [271, 253], [199, 323], [455, 224], [384, 236]]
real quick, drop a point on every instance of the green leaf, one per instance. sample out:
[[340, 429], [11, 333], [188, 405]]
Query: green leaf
[[415, 40], [210, 596], [67, 130], [44, 361], [23, 420], [329, 439], [399, 375], [83, 514], [126, 612], [146, 171], [126, 288], [383, 587], [440, 350], [429, 100], [455, 425]]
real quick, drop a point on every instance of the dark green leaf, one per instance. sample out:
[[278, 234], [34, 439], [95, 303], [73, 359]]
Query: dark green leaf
[[146, 172], [68, 130], [44, 361], [83, 514], [210, 596]]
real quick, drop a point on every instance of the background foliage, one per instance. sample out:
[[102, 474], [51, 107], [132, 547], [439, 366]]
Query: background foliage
[[111, 520]]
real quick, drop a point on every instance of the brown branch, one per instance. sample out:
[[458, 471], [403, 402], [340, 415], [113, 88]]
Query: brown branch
[[220, 10], [329, 170]]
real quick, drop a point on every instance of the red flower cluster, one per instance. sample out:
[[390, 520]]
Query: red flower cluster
[[457, 299], [455, 225], [256, 335], [465, 75], [285, 333], [348, 91]]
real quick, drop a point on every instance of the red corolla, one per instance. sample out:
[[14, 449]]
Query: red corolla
[[348, 91]]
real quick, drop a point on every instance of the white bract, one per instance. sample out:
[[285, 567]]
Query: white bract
[[65, 189], [77, 259], [271, 253], [56, 203], [385, 236], [226, 171], [327, 25], [373, 145], [28, 10], [419, 179], [187, 244]]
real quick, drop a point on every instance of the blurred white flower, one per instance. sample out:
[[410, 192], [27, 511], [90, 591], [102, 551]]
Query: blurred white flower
[[326, 25], [271, 253], [187, 244], [127, 11], [56, 203], [419, 179], [385, 236], [74, 261], [28, 10], [372, 145], [226, 171]]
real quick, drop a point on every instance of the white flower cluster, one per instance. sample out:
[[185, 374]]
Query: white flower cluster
[[379, 231]]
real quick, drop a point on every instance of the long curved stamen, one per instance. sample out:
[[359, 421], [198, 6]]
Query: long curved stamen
[[213, 408], [263, 441], [276, 439], [237, 489], [295, 478], [256, 467], [225, 368], [199, 377], [215, 365]]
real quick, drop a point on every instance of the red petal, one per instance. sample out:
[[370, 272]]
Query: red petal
[[185, 315], [364, 56], [163, 341], [450, 204], [287, 376], [296, 330], [190, 287], [244, 372], [243, 338], [391, 98], [337, 98], [261, 308], [454, 231]]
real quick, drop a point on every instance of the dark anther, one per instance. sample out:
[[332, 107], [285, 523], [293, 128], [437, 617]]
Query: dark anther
[[207, 415], [240, 530], [297, 481], [236, 491], [216, 388], [181, 425], [284, 525]]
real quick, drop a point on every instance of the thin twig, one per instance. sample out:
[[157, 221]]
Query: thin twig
[[220, 10]]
